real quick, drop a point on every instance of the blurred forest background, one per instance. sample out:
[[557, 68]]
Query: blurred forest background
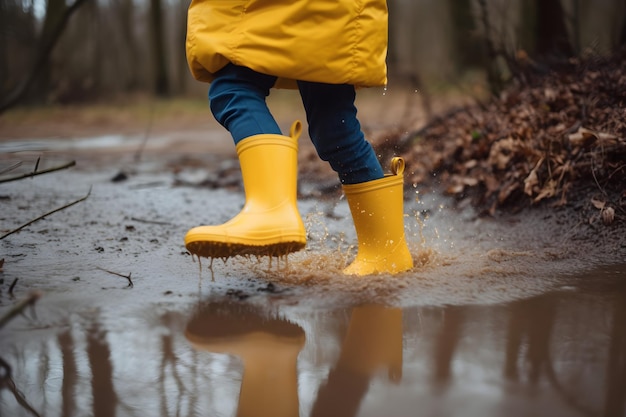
[[75, 51]]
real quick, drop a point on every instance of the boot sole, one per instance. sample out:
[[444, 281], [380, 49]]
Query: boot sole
[[229, 250]]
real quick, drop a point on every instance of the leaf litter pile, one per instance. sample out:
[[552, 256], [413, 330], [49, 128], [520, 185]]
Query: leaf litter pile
[[557, 139]]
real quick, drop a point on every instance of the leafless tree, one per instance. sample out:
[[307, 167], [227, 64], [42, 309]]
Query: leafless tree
[[161, 81], [57, 17]]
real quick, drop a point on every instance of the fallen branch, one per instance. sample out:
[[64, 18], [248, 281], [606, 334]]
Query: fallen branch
[[45, 215], [130, 282], [35, 172], [20, 307], [6, 381], [11, 168]]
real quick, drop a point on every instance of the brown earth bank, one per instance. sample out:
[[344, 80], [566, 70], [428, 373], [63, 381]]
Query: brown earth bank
[[555, 139]]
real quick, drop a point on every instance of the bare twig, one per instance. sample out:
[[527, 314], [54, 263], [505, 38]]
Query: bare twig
[[11, 168], [35, 172], [146, 135], [130, 282], [150, 221], [19, 307], [620, 168], [147, 185], [12, 287], [45, 215], [5, 371], [593, 173], [6, 381]]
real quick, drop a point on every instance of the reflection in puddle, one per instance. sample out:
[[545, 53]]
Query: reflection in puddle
[[267, 345], [557, 354], [373, 342]]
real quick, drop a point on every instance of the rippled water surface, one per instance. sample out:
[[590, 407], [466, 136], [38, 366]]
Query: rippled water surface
[[561, 353]]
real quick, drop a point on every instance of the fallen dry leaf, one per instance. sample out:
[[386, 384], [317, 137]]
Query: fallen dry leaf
[[608, 215], [583, 138], [599, 204], [532, 180], [549, 190]]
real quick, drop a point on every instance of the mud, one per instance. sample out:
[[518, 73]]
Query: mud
[[516, 315]]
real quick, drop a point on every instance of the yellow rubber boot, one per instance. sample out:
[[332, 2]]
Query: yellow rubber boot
[[269, 223], [377, 211]]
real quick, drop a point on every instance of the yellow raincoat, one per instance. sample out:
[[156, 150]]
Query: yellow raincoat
[[330, 41]]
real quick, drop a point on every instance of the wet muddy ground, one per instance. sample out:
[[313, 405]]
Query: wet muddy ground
[[517, 315]]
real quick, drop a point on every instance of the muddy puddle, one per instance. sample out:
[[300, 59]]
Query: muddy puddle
[[516, 316]]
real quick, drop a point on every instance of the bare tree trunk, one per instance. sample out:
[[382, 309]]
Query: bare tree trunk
[[622, 40], [466, 46], [127, 24], [493, 52], [4, 44], [576, 26], [181, 56], [552, 37], [544, 33], [97, 55], [161, 81], [55, 9], [392, 50]]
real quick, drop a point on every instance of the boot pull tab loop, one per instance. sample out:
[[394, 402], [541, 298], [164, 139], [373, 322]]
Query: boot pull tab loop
[[296, 130], [397, 165]]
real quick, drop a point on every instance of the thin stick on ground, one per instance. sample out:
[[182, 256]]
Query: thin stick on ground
[[130, 282], [136, 219], [19, 308], [11, 168], [12, 287], [143, 143], [35, 172], [7, 382], [45, 215]]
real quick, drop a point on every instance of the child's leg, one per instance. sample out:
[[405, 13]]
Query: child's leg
[[336, 131], [237, 100], [270, 223]]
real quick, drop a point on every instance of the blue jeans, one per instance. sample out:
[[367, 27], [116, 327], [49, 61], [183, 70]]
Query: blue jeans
[[237, 100]]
